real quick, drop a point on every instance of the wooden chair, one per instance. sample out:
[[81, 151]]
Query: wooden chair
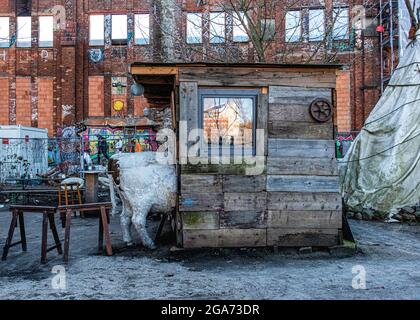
[[103, 207], [69, 189], [48, 219]]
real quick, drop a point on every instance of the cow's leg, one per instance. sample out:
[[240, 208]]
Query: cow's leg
[[112, 188], [125, 219], [139, 221]]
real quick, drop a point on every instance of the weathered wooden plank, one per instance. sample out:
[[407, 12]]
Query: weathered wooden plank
[[201, 202], [305, 219], [193, 183], [288, 237], [302, 166], [258, 77], [301, 148], [262, 120], [288, 95], [236, 183], [300, 183], [300, 130], [243, 219], [207, 220], [188, 104], [303, 201], [224, 238], [225, 169], [245, 201]]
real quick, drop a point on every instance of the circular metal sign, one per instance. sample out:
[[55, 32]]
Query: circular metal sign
[[321, 110]]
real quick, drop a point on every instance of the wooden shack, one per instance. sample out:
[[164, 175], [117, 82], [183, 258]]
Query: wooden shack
[[294, 200]]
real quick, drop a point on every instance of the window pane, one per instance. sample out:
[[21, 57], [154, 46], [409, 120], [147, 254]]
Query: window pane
[[142, 29], [119, 27], [4, 32], [239, 27], [217, 27], [194, 27], [46, 31], [97, 30], [268, 29], [229, 118], [316, 25], [293, 26], [24, 31], [341, 23]]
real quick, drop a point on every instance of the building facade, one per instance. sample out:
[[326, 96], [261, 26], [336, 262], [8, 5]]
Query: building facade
[[68, 61]]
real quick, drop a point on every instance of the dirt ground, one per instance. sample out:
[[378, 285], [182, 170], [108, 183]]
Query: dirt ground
[[390, 256]]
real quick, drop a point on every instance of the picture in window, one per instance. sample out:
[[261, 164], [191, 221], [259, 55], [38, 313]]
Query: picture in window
[[24, 31], [4, 32], [341, 24], [46, 31], [293, 26], [240, 24], [119, 28], [316, 27]]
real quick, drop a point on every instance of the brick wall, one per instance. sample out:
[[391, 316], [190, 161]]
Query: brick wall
[[46, 104], [140, 103], [96, 96], [23, 101], [343, 101], [4, 101]]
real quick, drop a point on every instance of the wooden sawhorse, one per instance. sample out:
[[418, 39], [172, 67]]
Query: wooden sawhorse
[[103, 207], [47, 219]]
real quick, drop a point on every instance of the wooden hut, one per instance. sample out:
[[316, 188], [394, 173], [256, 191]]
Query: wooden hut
[[294, 200]]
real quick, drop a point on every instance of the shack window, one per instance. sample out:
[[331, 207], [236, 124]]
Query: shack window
[[119, 29], [46, 31], [228, 118], [24, 30], [4, 32], [97, 30], [194, 28], [142, 29], [316, 25], [240, 24], [341, 23], [217, 27], [293, 26]]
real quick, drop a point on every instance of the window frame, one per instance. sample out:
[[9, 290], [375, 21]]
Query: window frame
[[46, 43], [347, 35], [137, 29], [188, 21], [236, 17], [96, 42], [20, 43], [118, 40], [5, 43], [215, 36], [299, 27], [228, 93], [323, 25]]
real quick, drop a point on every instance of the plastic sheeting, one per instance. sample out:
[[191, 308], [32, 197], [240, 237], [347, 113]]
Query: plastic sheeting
[[381, 171]]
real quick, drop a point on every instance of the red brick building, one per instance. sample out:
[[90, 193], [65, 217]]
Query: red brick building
[[65, 61]]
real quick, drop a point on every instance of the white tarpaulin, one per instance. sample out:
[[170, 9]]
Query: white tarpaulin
[[381, 170]]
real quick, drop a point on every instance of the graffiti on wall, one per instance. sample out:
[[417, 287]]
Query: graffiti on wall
[[96, 55], [343, 142]]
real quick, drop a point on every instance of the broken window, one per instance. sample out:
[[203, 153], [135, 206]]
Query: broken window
[[46, 31], [194, 28], [240, 24], [217, 27], [24, 31], [142, 29], [4, 32], [316, 25], [293, 26], [341, 23], [96, 30], [119, 29]]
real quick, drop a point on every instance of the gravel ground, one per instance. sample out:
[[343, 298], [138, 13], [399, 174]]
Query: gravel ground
[[390, 255]]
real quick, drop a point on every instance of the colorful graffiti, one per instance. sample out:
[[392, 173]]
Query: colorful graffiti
[[103, 142], [343, 142]]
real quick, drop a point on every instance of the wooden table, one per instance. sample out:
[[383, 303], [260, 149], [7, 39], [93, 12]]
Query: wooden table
[[48, 219]]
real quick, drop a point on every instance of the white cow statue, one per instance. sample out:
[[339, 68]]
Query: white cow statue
[[143, 185]]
